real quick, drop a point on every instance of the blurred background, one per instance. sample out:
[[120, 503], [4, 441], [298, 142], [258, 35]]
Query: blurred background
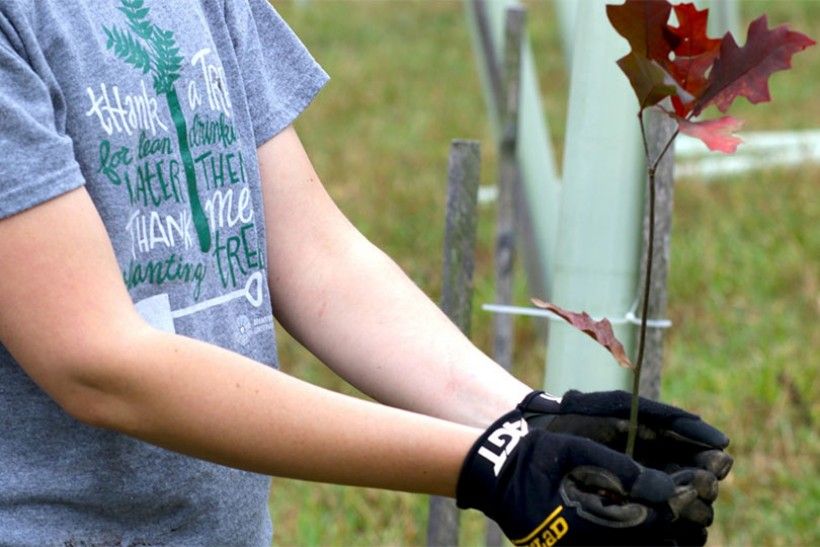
[[744, 282]]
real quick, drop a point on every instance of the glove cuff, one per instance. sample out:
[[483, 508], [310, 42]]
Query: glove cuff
[[540, 401], [485, 466]]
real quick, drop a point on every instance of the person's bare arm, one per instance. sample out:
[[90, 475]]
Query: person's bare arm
[[358, 312], [66, 317]]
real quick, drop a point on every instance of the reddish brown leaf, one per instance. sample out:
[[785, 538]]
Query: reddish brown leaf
[[600, 331], [693, 57], [690, 74], [644, 24], [649, 81], [745, 71], [691, 32], [716, 134]]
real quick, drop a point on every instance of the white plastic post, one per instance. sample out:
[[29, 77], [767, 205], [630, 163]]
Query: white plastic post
[[567, 10], [724, 16], [599, 232]]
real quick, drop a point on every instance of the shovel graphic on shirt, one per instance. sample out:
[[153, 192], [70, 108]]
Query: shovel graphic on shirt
[[156, 310]]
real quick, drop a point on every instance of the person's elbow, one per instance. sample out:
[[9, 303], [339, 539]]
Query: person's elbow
[[90, 376]]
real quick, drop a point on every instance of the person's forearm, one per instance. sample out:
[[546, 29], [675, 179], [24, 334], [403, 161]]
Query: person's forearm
[[380, 332], [355, 309], [210, 403]]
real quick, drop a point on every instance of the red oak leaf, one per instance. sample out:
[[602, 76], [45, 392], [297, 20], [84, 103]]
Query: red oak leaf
[[693, 57], [691, 32], [600, 331], [690, 74], [650, 82], [716, 134], [643, 24], [745, 71]]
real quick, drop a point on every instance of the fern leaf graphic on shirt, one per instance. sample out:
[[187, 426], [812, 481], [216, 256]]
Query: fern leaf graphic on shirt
[[150, 49]]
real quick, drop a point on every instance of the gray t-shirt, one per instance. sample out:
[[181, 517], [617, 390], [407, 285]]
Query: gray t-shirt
[[157, 107]]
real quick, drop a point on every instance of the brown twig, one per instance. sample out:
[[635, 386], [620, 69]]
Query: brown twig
[[636, 374]]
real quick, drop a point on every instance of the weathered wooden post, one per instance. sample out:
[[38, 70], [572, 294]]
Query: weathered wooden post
[[508, 203], [540, 183], [659, 129], [508, 191], [457, 288]]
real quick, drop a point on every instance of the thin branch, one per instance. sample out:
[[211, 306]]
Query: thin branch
[[643, 136], [636, 375], [665, 148]]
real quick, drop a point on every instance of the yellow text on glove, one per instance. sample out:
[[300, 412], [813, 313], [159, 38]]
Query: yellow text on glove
[[547, 534]]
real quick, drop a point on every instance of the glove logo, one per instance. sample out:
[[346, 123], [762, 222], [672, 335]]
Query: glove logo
[[551, 397], [506, 438], [547, 534]]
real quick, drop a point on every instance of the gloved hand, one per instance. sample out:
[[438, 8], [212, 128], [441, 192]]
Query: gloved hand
[[545, 488], [669, 439]]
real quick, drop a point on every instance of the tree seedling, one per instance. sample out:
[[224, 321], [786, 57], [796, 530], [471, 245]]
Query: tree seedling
[[681, 67]]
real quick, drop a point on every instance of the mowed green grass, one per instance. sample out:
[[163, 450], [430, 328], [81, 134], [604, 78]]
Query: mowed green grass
[[744, 286]]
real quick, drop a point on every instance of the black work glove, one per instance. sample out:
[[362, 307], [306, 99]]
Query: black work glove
[[544, 488], [669, 439]]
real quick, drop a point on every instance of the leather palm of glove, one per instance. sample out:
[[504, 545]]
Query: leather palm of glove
[[545, 488], [669, 439]]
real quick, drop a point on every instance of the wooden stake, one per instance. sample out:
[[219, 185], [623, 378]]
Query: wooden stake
[[457, 289]]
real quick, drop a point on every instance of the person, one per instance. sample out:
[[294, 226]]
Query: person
[[156, 209]]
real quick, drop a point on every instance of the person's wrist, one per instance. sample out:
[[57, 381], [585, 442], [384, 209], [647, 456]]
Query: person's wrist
[[482, 408]]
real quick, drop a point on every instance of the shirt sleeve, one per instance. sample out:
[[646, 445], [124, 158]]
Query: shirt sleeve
[[37, 161], [281, 77]]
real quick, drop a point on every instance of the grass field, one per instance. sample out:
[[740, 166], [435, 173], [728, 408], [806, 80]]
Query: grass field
[[744, 286]]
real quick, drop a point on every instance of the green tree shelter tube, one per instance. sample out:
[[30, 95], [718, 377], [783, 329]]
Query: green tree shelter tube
[[599, 228]]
